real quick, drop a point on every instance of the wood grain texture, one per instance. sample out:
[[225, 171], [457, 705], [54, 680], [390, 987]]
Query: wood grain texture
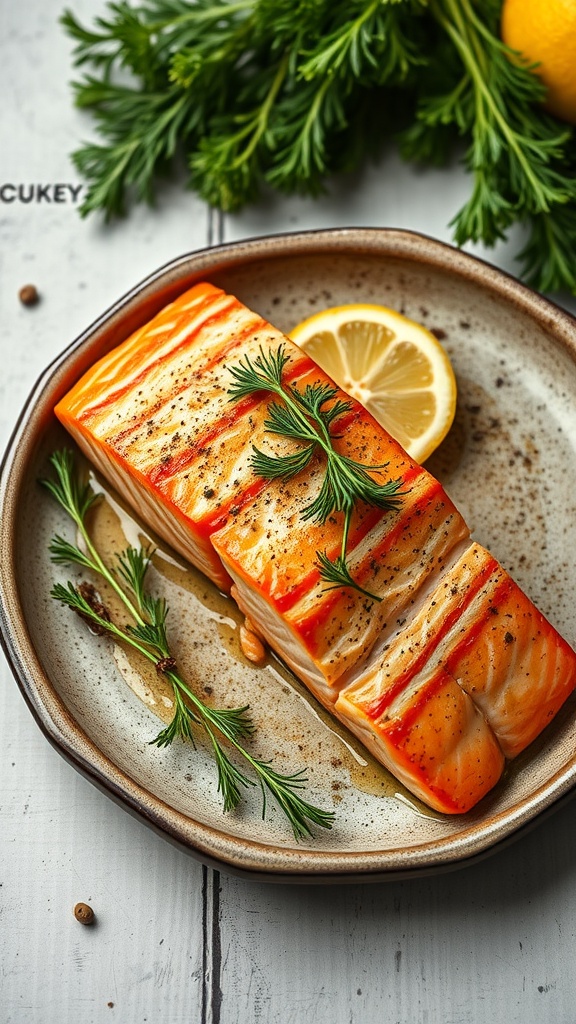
[[176, 942], [485, 944]]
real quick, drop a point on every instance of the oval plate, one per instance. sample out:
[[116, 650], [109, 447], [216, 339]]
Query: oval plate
[[508, 463]]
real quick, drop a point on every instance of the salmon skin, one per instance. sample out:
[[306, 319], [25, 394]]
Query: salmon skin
[[448, 671]]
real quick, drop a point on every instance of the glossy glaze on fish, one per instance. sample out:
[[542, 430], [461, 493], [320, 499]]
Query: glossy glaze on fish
[[451, 672], [478, 637]]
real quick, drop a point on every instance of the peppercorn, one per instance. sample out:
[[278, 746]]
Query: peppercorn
[[84, 913], [28, 295]]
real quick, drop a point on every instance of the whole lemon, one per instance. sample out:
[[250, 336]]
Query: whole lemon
[[544, 31]]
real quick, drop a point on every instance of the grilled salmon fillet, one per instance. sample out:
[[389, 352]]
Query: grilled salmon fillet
[[476, 658], [447, 671]]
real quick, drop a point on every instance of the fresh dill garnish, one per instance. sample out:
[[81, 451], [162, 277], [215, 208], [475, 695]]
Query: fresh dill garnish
[[308, 416], [285, 93], [147, 635], [518, 156]]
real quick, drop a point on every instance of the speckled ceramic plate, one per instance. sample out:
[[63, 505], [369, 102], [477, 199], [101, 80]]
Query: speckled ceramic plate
[[509, 463]]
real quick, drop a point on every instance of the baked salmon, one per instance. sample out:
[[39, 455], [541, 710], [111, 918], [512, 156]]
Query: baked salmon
[[437, 661]]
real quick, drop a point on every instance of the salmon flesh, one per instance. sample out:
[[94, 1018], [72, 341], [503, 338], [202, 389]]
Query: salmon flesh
[[447, 671]]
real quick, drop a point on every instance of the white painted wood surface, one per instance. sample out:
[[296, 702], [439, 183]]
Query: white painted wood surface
[[176, 942]]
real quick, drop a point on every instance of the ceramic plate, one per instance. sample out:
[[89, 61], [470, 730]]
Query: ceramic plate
[[509, 463]]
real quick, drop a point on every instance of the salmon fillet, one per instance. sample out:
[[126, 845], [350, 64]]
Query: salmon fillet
[[479, 634], [154, 416], [446, 671]]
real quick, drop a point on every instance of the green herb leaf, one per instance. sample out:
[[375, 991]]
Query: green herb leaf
[[147, 634], [302, 416], [285, 93], [337, 574]]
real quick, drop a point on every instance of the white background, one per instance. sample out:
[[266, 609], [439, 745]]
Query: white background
[[176, 942]]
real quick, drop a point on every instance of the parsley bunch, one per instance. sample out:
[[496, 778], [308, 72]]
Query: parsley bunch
[[284, 93]]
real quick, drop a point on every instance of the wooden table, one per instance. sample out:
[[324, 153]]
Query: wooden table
[[175, 941]]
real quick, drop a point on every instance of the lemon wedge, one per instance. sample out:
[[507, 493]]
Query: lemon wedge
[[393, 366]]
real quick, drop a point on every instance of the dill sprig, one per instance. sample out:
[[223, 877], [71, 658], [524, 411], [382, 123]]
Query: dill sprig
[[285, 93], [308, 416], [147, 634], [479, 91], [512, 159]]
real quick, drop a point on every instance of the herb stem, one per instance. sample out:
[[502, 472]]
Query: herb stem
[[342, 43], [78, 516], [259, 124], [307, 417], [199, 16], [148, 637], [475, 60]]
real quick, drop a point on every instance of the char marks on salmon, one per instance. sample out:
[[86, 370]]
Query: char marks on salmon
[[447, 671]]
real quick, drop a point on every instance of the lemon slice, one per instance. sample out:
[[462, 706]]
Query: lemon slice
[[393, 366]]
